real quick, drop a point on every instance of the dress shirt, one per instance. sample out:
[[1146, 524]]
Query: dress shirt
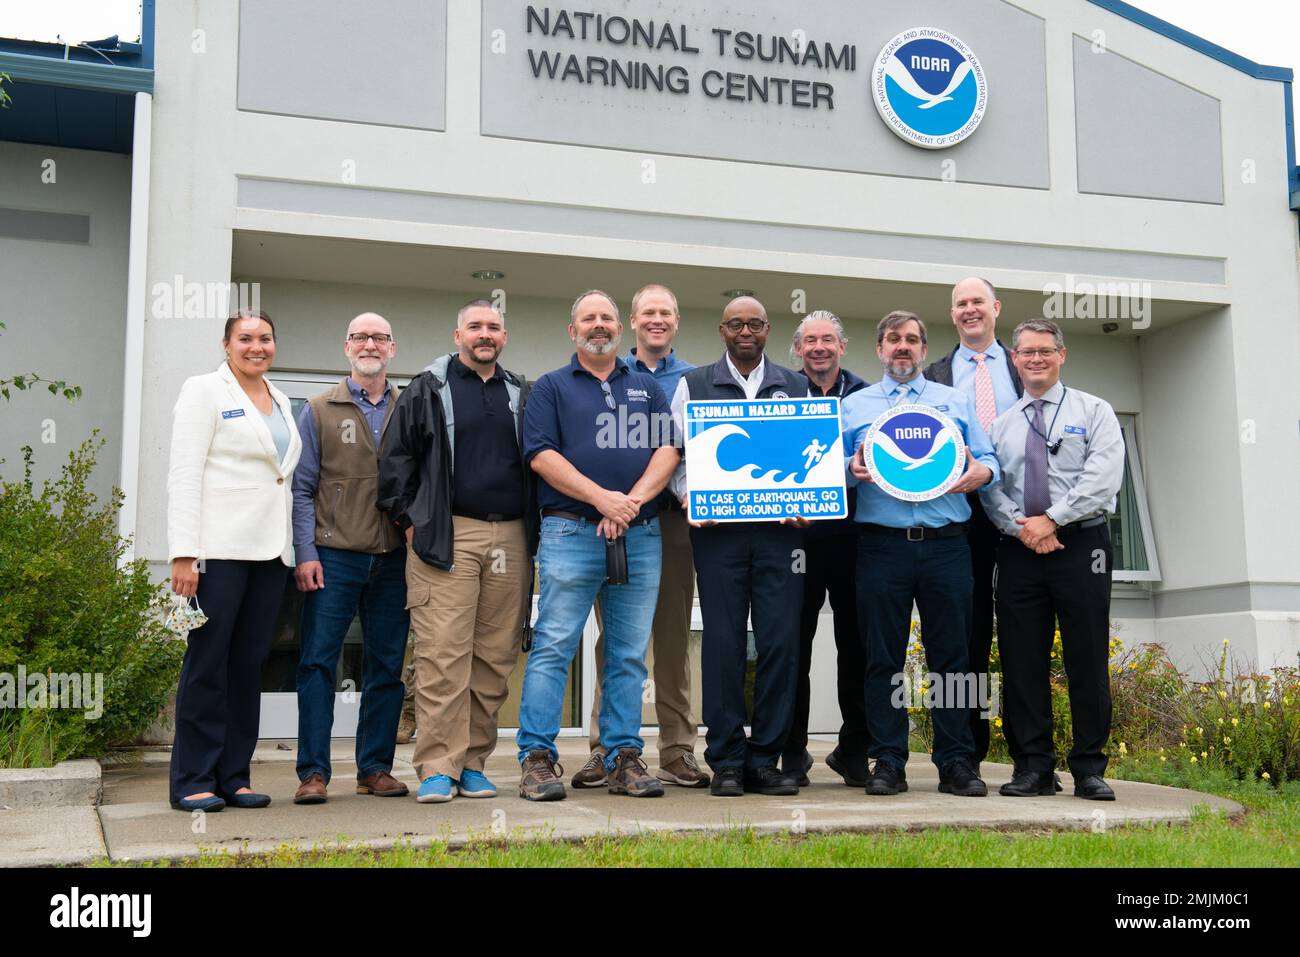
[[862, 408], [963, 375], [752, 382], [1083, 477]]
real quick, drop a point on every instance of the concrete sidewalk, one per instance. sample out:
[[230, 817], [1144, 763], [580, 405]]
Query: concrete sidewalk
[[135, 822]]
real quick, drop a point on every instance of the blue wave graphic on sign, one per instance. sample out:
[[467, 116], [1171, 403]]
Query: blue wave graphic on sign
[[931, 87], [782, 449], [914, 453]]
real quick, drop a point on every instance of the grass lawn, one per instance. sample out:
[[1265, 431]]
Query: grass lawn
[[1264, 837]]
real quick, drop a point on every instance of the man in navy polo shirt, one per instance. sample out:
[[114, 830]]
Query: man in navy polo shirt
[[600, 438]]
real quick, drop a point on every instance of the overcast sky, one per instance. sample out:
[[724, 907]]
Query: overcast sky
[[1262, 30]]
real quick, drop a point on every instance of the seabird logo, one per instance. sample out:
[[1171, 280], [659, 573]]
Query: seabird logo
[[915, 453], [929, 87]]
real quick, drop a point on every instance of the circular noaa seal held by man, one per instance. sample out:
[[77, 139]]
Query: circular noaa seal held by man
[[929, 87], [914, 453]]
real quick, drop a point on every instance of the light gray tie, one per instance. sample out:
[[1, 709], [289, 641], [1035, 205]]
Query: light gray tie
[[1037, 497]]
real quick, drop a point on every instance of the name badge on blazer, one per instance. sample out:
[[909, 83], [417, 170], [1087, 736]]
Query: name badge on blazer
[[231, 413]]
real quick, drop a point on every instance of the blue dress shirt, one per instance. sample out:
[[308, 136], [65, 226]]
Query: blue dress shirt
[[963, 375]]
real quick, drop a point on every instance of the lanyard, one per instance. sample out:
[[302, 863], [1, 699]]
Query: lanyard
[[1052, 447]]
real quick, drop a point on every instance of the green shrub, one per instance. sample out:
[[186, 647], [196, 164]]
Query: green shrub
[[68, 608]]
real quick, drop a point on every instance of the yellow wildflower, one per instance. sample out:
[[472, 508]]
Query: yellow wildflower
[[1235, 722], [1265, 776]]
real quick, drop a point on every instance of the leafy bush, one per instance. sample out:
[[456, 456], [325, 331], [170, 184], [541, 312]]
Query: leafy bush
[[69, 608], [1244, 724]]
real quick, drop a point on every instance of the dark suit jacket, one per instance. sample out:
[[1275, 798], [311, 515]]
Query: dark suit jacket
[[941, 369]]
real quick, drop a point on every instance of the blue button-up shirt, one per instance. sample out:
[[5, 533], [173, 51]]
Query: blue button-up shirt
[[859, 410], [306, 478], [964, 367]]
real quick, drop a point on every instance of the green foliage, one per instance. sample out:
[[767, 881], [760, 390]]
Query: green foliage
[[24, 382], [70, 609], [5, 98]]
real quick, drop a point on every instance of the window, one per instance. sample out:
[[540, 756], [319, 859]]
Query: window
[[1130, 526]]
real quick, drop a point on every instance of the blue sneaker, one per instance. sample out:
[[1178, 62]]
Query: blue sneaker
[[474, 784], [435, 790]]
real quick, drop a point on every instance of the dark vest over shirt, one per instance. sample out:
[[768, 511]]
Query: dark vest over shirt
[[346, 514]]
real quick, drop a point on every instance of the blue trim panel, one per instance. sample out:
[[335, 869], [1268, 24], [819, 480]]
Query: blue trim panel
[[146, 33], [1199, 44], [77, 75]]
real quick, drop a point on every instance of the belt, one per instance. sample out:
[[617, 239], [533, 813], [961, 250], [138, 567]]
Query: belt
[[488, 516], [1082, 524], [560, 513], [917, 533]]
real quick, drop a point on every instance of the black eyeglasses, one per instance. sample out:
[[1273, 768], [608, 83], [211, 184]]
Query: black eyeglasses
[[609, 397], [754, 325]]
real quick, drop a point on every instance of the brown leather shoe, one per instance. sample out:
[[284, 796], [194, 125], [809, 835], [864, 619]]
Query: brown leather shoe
[[684, 772], [631, 777], [382, 784], [311, 791]]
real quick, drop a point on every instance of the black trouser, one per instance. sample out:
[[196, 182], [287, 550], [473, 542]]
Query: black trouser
[[983, 537], [219, 697], [832, 567], [1035, 593], [740, 568]]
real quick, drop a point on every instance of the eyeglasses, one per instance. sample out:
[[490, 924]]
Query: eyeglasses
[[609, 397], [1036, 353], [381, 338], [753, 325]]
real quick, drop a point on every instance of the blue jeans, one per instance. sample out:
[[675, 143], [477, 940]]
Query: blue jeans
[[571, 562], [374, 588]]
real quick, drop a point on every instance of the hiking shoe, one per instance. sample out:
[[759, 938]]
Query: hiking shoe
[[592, 774], [540, 778], [435, 789], [475, 784], [684, 772], [886, 780], [406, 728], [958, 778], [631, 777]]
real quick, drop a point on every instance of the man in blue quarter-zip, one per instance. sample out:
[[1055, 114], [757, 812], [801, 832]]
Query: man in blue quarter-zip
[[915, 552]]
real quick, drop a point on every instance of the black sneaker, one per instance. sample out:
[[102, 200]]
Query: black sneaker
[[798, 768], [958, 778], [769, 780], [854, 773], [727, 783], [886, 780]]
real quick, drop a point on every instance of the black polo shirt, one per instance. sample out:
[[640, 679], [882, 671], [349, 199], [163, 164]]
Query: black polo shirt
[[487, 476], [609, 439]]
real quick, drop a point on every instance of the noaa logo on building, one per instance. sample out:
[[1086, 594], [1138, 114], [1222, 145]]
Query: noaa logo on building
[[929, 88], [914, 453]]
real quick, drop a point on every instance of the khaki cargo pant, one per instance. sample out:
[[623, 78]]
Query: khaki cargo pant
[[466, 625], [669, 636]]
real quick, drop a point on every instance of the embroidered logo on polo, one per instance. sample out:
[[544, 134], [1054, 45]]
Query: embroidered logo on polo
[[914, 453], [929, 88]]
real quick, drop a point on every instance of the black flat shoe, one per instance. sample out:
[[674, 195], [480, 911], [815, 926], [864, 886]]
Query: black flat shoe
[[248, 801], [210, 804], [1093, 788]]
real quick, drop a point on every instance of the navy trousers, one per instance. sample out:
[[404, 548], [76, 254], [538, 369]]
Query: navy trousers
[[747, 570], [219, 697]]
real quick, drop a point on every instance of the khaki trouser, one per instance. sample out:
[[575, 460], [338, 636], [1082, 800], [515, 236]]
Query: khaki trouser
[[669, 636], [467, 625]]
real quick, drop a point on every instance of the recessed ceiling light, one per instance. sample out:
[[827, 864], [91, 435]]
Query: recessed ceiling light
[[488, 275], [737, 293]]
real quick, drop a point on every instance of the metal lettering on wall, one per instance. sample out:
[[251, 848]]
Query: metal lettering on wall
[[766, 83]]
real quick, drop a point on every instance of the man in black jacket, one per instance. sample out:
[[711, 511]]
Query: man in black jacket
[[744, 565], [832, 548], [452, 475], [980, 366]]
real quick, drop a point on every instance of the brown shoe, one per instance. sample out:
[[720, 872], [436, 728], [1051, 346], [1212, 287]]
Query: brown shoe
[[631, 777], [382, 784], [311, 791], [684, 772], [592, 774], [540, 778], [406, 728]]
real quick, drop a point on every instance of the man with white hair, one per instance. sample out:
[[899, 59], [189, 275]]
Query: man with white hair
[[350, 557]]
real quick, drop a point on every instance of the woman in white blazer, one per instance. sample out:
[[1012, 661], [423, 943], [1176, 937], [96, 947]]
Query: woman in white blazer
[[230, 541]]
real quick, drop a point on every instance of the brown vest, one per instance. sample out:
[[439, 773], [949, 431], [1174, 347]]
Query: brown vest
[[346, 515]]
